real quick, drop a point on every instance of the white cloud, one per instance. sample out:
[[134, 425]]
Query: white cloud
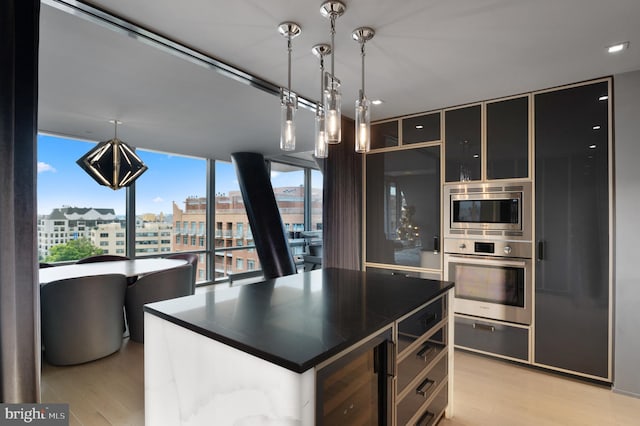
[[274, 174], [158, 200], [44, 167]]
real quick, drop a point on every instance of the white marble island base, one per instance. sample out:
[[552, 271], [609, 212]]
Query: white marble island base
[[191, 379]]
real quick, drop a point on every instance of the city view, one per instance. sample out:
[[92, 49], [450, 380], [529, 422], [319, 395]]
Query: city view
[[78, 218]]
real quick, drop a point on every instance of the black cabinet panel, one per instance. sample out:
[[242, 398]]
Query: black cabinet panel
[[463, 144], [572, 225], [384, 135], [508, 139], [423, 128], [403, 207]]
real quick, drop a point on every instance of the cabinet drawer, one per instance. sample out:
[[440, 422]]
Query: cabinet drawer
[[411, 366], [411, 328], [429, 415], [495, 338], [423, 391]]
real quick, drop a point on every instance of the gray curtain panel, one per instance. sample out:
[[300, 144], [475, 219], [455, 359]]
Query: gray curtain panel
[[19, 291], [342, 203]]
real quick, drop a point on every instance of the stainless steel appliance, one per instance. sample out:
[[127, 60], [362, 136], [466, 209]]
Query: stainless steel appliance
[[493, 278], [488, 249], [488, 210]]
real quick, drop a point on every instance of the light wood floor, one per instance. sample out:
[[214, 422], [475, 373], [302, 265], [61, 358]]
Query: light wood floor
[[110, 391]]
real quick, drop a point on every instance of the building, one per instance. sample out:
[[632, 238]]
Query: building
[[69, 223]]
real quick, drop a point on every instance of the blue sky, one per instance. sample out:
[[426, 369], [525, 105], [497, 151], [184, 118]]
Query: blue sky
[[169, 178]]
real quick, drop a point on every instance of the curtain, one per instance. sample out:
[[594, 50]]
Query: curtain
[[19, 291], [342, 203]]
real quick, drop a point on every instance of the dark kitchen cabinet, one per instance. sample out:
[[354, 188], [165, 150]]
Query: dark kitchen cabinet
[[384, 135], [421, 128], [463, 147], [403, 207], [572, 329], [508, 138]]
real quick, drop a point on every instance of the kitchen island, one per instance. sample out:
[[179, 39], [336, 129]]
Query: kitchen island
[[252, 354]]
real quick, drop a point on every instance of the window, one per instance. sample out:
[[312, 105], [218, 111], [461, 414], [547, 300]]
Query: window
[[239, 243], [104, 235], [193, 228], [251, 265], [193, 240], [288, 188], [185, 240], [177, 226], [120, 242], [201, 229], [104, 243], [229, 212], [239, 264], [316, 200], [177, 239], [57, 172], [201, 241], [119, 234]]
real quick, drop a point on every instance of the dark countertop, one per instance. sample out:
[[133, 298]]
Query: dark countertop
[[300, 320]]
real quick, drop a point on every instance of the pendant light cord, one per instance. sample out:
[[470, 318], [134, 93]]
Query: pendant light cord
[[362, 55], [333, 48], [289, 68]]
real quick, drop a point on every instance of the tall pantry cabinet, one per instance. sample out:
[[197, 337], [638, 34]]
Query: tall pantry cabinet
[[572, 208]]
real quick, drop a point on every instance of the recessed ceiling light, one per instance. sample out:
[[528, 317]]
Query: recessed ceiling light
[[377, 101], [419, 126], [603, 98], [596, 127], [592, 147], [476, 156], [618, 47]]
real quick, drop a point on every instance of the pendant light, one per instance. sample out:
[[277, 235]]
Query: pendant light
[[363, 105], [288, 100], [332, 97], [321, 145], [113, 163]]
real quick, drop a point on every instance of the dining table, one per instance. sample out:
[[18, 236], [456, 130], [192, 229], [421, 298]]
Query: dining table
[[130, 268]]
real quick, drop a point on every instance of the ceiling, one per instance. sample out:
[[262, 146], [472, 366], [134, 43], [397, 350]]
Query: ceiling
[[426, 55]]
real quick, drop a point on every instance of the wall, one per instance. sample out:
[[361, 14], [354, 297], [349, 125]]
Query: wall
[[627, 206]]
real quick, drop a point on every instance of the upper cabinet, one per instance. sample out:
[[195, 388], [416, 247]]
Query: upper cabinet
[[488, 141], [508, 138], [384, 135], [463, 144], [421, 128]]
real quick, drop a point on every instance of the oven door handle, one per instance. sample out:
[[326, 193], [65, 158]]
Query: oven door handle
[[487, 262]]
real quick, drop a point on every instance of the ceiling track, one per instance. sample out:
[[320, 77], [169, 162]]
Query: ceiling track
[[119, 25]]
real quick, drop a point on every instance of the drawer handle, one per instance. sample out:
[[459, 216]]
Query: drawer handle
[[429, 319], [424, 387], [484, 327], [426, 419], [425, 352]]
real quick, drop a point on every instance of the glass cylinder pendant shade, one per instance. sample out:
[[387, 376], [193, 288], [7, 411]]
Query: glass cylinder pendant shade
[[288, 126], [333, 114], [321, 147], [363, 125]]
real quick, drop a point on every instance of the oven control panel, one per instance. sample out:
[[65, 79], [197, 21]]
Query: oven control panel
[[520, 249]]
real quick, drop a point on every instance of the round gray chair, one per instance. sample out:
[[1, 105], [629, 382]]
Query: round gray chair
[[154, 287], [192, 258], [82, 318]]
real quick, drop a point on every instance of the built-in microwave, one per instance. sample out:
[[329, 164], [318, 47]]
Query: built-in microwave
[[493, 210]]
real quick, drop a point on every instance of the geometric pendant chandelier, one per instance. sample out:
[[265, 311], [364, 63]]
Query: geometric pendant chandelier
[[112, 163]]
